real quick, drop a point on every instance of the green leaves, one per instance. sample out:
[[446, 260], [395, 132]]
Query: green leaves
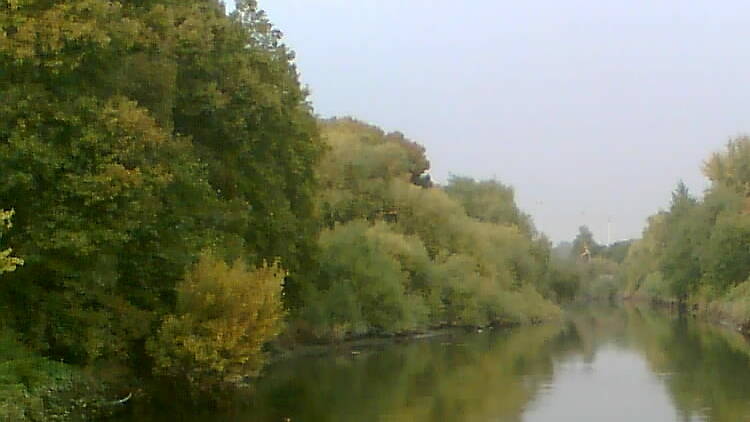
[[132, 136], [364, 283], [700, 248], [730, 167], [488, 201], [463, 254]]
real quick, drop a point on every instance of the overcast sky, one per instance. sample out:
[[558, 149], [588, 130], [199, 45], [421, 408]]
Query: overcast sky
[[592, 110]]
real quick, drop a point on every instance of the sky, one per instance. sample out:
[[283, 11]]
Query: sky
[[591, 110]]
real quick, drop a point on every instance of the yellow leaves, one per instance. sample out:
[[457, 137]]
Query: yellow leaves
[[730, 166], [125, 119], [8, 263], [226, 313], [113, 181], [41, 38], [196, 26], [5, 217]]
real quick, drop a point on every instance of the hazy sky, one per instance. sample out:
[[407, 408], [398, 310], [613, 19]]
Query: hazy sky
[[590, 109]]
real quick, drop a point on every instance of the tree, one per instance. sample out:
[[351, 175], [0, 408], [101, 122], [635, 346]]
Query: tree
[[462, 254], [489, 201], [132, 136], [730, 167], [372, 280], [98, 221], [644, 256], [617, 251], [726, 257], [679, 263], [238, 96], [362, 164]]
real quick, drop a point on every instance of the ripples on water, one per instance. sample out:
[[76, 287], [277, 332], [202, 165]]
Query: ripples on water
[[601, 365]]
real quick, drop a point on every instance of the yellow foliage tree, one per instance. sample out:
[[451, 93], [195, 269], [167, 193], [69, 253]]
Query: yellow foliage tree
[[225, 313], [7, 262], [729, 167]]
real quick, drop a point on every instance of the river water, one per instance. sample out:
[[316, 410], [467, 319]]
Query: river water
[[605, 364]]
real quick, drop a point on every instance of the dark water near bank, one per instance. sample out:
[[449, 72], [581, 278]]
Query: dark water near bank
[[599, 365]]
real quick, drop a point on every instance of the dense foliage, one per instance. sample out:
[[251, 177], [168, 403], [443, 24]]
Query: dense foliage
[[133, 136], [224, 316], [146, 145], [696, 252], [583, 270], [400, 254]]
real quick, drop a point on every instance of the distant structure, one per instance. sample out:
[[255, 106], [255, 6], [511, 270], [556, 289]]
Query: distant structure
[[586, 254]]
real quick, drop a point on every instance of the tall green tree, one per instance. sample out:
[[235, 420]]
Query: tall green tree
[[132, 136], [679, 262]]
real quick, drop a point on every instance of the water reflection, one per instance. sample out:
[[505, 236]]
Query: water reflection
[[606, 364], [616, 386]]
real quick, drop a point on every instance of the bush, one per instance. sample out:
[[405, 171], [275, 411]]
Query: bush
[[373, 280], [736, 304], [655, 288], [33, 388], [461, 288], [726, 258], [526, 306], [225, 314], [471, 298]]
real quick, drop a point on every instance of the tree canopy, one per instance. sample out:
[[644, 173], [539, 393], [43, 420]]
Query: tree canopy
[[696, 252], [134, 135]]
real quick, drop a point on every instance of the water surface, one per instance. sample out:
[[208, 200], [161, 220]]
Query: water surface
[[612, 364]]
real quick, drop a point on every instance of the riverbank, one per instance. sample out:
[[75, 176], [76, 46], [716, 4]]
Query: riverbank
[[158, 393], [731, 311], [98, 399], [280, 350]]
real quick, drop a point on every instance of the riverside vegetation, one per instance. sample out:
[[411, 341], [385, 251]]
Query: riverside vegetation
[[173, 206], [696, 254], [177, 205]]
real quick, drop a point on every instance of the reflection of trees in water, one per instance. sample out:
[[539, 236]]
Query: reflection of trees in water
[[495, 376], [475, 377], [706, 369]]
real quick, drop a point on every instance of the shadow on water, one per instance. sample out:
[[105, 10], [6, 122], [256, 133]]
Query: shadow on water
[[600, 364]]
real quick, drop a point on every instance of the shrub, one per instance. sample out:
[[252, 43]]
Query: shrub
[[655, 288], [736, 304], [225, 313], [33, 388], [372, 280]]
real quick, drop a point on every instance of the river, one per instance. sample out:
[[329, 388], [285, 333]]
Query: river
[[603, 364]]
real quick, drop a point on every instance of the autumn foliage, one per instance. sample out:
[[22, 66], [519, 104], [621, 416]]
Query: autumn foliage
[[225, 313]]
